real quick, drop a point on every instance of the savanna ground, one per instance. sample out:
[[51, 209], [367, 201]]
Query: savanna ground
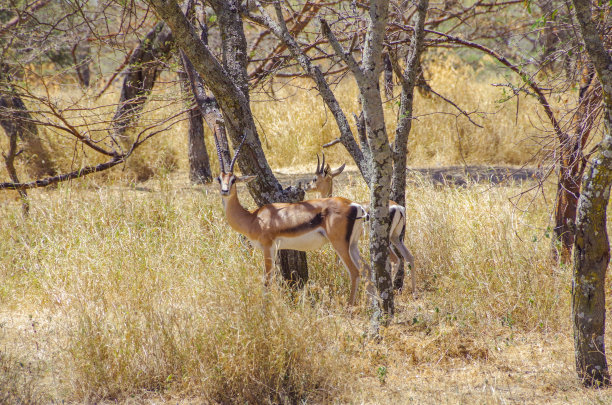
[[138, 292]]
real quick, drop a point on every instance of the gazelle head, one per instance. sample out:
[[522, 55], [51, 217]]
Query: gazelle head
[[323, 180], [227, 180]]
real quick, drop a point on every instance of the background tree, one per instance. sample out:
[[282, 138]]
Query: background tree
[[591, 247], [31, 40]]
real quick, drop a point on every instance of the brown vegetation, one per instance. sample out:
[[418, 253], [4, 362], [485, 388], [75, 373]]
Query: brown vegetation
[[140, 292]]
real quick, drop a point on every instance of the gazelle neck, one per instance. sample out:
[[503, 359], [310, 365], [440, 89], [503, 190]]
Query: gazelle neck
[[326, 189], [237, 216]]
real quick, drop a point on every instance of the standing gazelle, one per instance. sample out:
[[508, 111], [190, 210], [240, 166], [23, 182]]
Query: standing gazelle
[[305, 225], [323, 183]]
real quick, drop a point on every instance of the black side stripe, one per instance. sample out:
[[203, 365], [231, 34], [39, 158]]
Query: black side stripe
[[313, 223], [352, 217]]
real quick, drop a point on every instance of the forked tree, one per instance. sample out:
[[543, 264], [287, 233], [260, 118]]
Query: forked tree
[[228, 81], [373, 155]]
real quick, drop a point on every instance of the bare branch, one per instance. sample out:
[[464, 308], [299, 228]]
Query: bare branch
[[23, 16], [347, 57], [64, 176], [317, 76]]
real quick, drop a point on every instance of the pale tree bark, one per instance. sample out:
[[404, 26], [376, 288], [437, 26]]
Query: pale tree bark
[[591, 247], [228, 81], [367, 75], [381, 163], [408, 79], [374, 158]]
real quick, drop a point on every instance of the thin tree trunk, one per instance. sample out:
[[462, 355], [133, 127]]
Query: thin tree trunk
[[591, 258], [591, 246], [571, 170], [208, 108], [388, 77], [408, 80], [381, 164], [80, 57], [15, 119], [9, 160], [199, 162], [140, 78]]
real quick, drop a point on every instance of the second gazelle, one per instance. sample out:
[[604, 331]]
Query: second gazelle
[[323, 183]]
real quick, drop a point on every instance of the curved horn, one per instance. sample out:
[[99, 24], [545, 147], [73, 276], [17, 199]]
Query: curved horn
[[323, 164], [231, 169], [317, 171]]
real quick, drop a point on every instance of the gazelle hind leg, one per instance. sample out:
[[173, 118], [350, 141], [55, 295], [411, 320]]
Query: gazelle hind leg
[[344, 253], [364, 266], [403, 250], [395, 261]]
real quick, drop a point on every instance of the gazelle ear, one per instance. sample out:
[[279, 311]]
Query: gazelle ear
[[327, 170], [246, 179], [338, 170]]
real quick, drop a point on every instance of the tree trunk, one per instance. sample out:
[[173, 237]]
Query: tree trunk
[[571, 169], [591, 246], [15, 119], [408, 80], [381, 162], [199, 163], [9, 160], [80, 57], [293, 264], [140, 78], [591, 258], [229, 85], [568, 192]]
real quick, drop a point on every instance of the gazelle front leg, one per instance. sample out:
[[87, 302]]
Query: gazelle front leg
[[269, 254]]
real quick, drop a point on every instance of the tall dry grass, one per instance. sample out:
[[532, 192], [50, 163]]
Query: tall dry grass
[[146, 291]]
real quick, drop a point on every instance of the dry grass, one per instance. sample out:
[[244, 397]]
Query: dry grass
[[140, 293], [120, 293]]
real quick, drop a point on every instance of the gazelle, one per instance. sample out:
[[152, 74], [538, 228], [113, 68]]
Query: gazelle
[[323, 184], [304, 226], [323, 181]]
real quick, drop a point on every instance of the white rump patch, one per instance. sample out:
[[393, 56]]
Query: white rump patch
[[361, 212]]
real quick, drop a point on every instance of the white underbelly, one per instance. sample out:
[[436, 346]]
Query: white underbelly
[[308, 241]]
